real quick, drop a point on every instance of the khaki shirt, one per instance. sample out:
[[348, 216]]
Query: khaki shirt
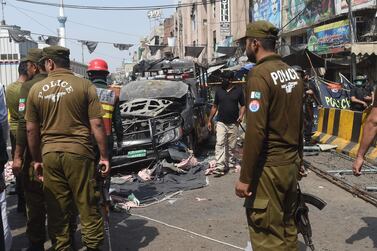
[[12, 95], [63, 104], [21, 137], [274, 97]]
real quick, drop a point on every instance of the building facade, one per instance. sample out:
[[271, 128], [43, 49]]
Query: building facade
[[324, 28], [210, 24], [14, 45]]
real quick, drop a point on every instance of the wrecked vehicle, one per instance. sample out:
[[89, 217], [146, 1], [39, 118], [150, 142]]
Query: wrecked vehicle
[[157, 116]]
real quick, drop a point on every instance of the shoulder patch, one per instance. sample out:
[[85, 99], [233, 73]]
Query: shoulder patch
[[21, 107], [254, 106], [255, 95]]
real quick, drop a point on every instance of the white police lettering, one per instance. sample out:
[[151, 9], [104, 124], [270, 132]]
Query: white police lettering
[[289, 86], [287, 78], [64, 89], [284, 76]]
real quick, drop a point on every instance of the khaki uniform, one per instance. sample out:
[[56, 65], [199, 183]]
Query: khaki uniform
[[12, 97], [272, 153], [63, 104], [33, 188]]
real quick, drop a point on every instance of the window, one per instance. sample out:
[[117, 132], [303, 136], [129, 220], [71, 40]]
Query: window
[[3, 56], [193, 17], [15, 56], [213, 3], [214, 41]]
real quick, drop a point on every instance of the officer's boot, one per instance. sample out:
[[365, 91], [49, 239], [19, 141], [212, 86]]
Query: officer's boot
[[36, 246]]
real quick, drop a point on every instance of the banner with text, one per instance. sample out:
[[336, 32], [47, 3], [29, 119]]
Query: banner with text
[[329, 38], [342, 6], [304, 13], [333, 95], [267, 10]]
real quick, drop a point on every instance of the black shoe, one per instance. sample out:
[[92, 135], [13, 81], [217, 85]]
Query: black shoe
[[38, 246], [21, 208]]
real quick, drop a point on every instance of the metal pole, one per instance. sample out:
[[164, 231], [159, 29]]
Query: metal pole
[[82, 53], [353, 39]]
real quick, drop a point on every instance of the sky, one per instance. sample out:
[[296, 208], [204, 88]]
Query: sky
[[126, 26]]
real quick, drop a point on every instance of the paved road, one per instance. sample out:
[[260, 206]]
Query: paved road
[[347, 223]]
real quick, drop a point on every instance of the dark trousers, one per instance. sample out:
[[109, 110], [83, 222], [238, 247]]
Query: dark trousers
[[19, 180]]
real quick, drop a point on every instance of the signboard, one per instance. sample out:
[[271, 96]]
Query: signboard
[[329, 38], [157, 13], [224, 11], [224, 18], [342, 6], [224, 28], [267, 10], [305, 13], [333, 95]]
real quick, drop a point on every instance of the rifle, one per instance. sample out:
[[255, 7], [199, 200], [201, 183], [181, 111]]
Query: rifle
[[302, 215], [104, 185]]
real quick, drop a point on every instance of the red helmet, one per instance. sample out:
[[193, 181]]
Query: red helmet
[[98, 65]]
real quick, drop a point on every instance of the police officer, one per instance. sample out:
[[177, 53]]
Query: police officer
[[98, 72], [309, 100], [273, 143], [13, 96], [64, 109], [33, 188], [362, 94]]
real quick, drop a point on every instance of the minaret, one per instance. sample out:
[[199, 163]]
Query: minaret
[[2, 12], [62, 19]]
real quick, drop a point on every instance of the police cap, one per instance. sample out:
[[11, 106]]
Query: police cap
[[54, 52], [261, 29], [33, 55]]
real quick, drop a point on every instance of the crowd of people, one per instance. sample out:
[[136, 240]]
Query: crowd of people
[[60, 132], [61, 129]]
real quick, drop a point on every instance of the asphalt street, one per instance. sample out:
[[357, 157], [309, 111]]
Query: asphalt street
[[213, 218]]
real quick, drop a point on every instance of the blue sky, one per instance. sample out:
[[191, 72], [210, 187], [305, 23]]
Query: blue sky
[[130, 26]]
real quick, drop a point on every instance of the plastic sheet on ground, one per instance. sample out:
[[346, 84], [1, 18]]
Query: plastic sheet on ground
[[168, 183]]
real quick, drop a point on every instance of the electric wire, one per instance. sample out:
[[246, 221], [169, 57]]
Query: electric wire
[[123, 8], [78, 23]]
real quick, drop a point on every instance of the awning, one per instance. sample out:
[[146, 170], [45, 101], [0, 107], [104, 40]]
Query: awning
[[306, 59], [193, 51], [214, 68], [227, 50], [155, 48], [364, 48]]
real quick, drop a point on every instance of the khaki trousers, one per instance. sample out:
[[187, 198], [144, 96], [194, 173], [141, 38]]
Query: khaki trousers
[[226, 140], [270, 210], [70, 179]]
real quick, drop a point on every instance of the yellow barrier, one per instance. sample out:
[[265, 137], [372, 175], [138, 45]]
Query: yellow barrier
[[344, 129]]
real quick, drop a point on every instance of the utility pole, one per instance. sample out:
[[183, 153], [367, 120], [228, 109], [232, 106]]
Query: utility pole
[[82, 53], [353, 39], [3, 3]]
